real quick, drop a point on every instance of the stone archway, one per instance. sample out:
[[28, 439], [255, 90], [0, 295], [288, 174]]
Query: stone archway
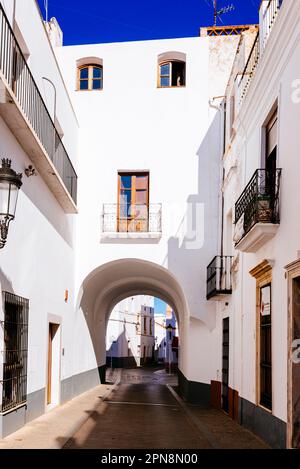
[[110, 283], [102, 290]]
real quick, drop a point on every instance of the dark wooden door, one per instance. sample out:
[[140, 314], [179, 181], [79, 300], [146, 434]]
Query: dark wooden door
[[225, 366], [295, 383]]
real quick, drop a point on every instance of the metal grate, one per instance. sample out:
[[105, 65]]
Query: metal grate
[[14, 355], [219, 276], [19, 79], [132, 218]]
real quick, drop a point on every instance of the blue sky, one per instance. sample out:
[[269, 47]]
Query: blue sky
[[159, 306], [96, 21]]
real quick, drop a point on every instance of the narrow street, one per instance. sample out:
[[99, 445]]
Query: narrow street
[[143, 413]]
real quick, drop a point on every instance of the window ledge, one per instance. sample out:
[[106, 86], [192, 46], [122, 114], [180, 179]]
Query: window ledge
[[260, 406], [141, 235], [84, 91], [14, 409], [168, 87]]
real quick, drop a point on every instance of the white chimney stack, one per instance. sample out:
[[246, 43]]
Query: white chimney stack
[[54, 32]]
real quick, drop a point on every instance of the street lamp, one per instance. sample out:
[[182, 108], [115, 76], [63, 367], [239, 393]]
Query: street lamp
[[10, 183]]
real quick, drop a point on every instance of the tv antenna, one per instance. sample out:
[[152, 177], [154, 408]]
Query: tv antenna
[[46, 9], [222, 11]]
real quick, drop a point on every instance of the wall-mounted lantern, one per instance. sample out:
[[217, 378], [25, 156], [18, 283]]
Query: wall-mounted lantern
[[10, 183]]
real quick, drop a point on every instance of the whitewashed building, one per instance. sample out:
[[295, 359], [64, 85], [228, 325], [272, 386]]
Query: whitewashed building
[[255, 278], [166, 338], [160, 338], [149, 165], [161, 192], [130, 333], [39, 134]]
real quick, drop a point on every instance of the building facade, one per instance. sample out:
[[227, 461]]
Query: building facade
[[166, 339], [186, 151], [254, 279], [37, 263], [135, 234], [130, 333]]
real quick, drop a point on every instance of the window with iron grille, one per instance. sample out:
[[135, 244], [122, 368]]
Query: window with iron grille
[[15, 350]]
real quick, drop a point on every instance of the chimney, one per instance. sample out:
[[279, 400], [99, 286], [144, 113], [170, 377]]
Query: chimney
[[55, 33]]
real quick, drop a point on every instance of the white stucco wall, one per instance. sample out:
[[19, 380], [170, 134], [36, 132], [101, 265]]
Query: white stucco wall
[[38, 260], [273, 82], [175, 135]]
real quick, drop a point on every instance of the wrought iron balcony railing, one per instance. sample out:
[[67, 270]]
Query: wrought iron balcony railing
[[19, 79], [137, 218], [219, 277], [259, 203], [270, 10], [249, 69]]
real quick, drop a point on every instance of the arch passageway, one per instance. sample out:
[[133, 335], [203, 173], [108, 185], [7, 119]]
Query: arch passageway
[[111, 283]]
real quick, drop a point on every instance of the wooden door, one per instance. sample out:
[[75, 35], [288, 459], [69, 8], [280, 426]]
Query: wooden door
[[225, 366], [294, 365], [49, 379]]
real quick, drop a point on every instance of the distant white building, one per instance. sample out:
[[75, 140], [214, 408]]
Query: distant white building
[[160, 337], [130, 333], [166, 338]]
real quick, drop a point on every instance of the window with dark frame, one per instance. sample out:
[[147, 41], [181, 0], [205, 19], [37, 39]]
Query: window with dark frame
[[133, 202], [172, 74], [265, 328], [15, 333]]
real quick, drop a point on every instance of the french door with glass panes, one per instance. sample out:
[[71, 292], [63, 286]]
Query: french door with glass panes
[[133, 202]]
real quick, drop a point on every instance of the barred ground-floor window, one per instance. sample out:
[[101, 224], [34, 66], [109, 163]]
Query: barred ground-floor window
[[13, 377]]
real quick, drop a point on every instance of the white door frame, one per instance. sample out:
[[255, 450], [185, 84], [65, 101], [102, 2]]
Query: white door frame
[[56, 371]]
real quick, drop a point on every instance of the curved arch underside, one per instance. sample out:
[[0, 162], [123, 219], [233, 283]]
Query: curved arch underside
[[110, 283]]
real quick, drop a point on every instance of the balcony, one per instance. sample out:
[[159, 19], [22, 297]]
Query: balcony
[[269, 10], [132, 221], [219, 278], [257, 216], [25, 113]]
